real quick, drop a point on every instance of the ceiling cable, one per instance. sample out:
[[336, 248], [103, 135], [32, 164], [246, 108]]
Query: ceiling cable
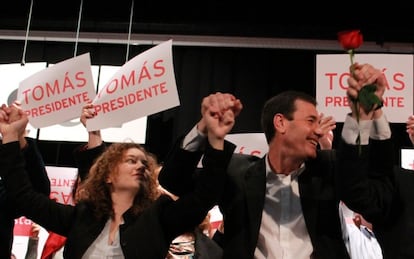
[[78, 28], [23, 62], [129, 30]]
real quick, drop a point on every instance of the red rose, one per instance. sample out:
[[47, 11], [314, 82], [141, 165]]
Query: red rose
[[350, 39]]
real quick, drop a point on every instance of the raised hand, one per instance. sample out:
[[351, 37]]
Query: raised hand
[[219, 103], [87, 113], [219, 124], [94, 137], [218, 117], [326, 125], [13, 116], [13, 122], [365, 75]]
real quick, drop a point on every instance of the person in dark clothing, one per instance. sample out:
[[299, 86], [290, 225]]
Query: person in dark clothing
[[287, 202], [36, 171], [394, 230], [119, 211]]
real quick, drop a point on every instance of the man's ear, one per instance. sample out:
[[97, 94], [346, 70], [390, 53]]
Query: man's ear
[[279, 123]]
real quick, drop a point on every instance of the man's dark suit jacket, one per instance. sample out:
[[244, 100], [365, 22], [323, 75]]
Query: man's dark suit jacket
[[390, 209], [242, 204], [397, 234], [397, 237], [393, 223]]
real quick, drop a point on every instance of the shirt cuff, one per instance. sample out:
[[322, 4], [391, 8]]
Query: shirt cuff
[[352, 129], [381, 128], [194, 140]]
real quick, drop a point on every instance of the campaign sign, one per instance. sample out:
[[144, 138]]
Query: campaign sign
[[332, 72]]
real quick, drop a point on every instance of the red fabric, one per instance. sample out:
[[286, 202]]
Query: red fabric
[[53, 243]]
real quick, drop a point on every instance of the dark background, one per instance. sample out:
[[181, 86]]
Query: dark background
[[391, 22], [252, 74]]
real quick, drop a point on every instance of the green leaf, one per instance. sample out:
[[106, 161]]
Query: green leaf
[[367, 98]]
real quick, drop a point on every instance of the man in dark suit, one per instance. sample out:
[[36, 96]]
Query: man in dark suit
[[397, 236], [394, 228], [284, 205]]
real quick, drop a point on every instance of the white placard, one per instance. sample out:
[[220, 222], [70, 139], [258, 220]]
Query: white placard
[[71, 130], [249, 143], [58, 93], [143, 86], [332, 72], [134, 130]]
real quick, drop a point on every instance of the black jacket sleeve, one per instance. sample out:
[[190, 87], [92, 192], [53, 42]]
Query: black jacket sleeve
[[191, 208], [179, 168], [34, 205], [366, 179], [35, 167]]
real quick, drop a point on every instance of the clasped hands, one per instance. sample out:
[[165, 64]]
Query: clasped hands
[[219, 111]]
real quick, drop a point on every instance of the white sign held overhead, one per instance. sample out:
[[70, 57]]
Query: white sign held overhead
[[254, 144], [332, 72], [57, 93], [249, 143], [143, 86]]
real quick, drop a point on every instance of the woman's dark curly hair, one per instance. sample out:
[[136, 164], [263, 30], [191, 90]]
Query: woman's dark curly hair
[[97, 192]]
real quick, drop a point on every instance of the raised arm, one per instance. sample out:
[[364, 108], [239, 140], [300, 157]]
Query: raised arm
[[34, 164], [85, 154], [190, 209], [366, 169], [34, 205], [182, 160], [94, 137]]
